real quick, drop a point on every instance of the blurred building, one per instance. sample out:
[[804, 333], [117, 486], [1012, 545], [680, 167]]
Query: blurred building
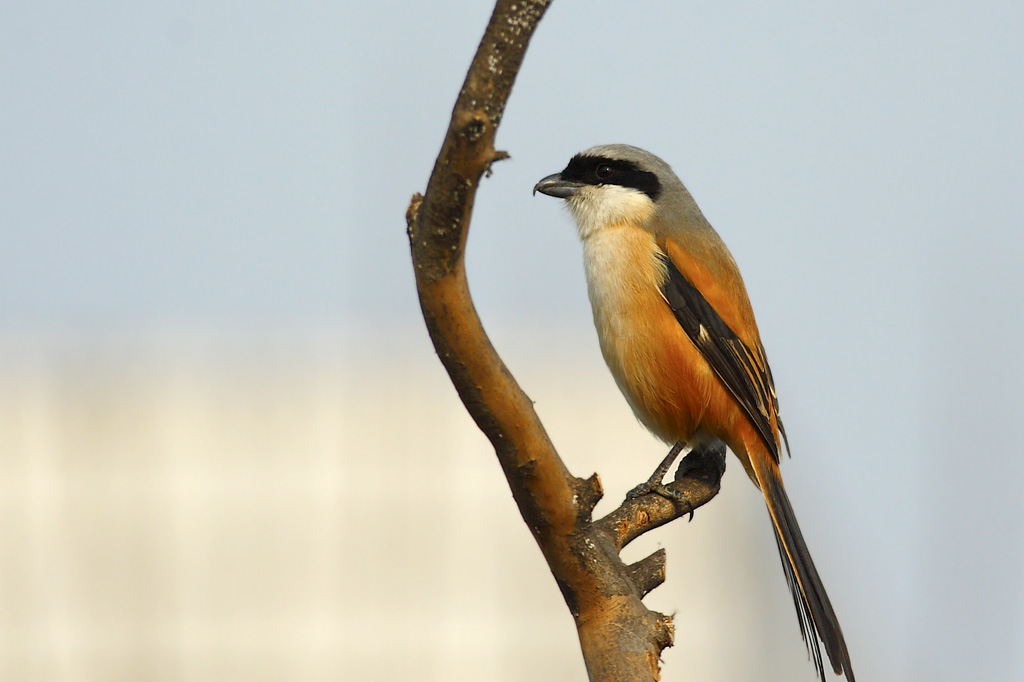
[[320, 507]]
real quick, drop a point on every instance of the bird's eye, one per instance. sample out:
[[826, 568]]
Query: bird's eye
[[603, 172]]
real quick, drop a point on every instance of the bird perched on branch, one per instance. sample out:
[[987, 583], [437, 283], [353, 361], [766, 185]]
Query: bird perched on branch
[[678, 333]]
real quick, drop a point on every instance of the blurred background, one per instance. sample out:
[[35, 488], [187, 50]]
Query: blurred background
[[228, 452]]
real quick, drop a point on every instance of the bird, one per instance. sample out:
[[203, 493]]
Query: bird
[[677, 330]]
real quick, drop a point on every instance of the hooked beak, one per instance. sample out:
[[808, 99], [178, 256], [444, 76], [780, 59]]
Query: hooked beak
[[555, 186]]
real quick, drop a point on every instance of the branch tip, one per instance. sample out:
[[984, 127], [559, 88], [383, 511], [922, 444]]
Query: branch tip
[[648, 573], [412, 213], [496, 156], [666, 631], [588, 493]]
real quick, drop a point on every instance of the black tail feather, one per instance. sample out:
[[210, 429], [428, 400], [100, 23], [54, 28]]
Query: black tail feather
[[813, 609]]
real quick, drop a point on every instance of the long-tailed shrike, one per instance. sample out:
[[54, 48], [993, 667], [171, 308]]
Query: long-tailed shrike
[[678, 333]]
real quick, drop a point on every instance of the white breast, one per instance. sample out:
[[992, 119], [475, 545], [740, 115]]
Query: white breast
[[621, 265], [624, 276]]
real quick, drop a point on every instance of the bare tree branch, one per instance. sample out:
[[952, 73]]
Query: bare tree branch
[[621, 639]]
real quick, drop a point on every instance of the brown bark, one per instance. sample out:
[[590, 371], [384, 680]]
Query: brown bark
[[622, 639]]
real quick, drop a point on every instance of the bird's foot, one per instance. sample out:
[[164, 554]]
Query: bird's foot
[[656, 485], [674, 496]]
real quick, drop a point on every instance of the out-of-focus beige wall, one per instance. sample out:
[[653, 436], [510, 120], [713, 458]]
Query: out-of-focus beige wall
[[321, 507]]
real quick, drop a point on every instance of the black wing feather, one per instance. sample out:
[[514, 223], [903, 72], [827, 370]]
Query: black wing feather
[[744, 372]]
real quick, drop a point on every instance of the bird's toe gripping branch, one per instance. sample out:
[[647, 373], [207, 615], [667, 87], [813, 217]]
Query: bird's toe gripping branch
[[697, 481]]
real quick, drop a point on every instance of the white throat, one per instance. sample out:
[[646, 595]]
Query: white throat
[[595, 207]]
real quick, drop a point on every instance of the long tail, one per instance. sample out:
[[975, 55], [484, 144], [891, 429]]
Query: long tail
[[813, 609]]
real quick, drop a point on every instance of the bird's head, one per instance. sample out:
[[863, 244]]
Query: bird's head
[[614, 184]]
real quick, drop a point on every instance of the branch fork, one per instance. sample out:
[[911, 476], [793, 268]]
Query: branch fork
[[622, 639]]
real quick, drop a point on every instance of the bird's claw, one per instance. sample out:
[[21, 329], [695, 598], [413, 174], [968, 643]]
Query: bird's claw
[[676, 497]]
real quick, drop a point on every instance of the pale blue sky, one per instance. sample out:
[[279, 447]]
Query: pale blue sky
[[248, 165]]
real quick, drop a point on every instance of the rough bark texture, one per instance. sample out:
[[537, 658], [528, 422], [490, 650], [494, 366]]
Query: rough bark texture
[[621, 639]]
